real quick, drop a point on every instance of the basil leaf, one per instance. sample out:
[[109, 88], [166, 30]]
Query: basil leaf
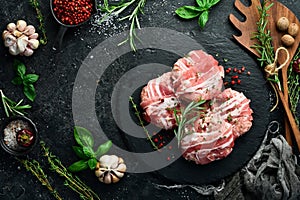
[[88, 152], [85, 136], [78, 166], [79, 152], [20, 68], [213, 2], [203, 18], [188, 12], [30, 78], [29, 92], [77, 138], [92, 163], [17, 81], [103, 148], [201, 3]]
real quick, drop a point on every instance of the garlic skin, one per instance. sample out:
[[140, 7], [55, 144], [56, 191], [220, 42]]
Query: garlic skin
[[110, 169], [20, 38]]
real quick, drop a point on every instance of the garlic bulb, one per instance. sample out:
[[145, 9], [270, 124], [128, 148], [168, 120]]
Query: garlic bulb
[[20, 38], [110, 169]]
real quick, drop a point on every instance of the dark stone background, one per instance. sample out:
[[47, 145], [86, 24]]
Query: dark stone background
[[52, 108]]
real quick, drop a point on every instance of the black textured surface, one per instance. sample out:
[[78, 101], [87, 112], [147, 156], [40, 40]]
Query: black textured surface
[[52, 110]]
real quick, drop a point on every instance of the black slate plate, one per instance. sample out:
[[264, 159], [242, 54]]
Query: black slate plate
[[182, 171]]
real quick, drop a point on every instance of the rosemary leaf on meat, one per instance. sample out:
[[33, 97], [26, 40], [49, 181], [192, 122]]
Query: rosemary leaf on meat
[[71, 181], [35, 4], [35, 168], [133, 17], [188, 115], [294, 87], [11, 107], [138, 115]]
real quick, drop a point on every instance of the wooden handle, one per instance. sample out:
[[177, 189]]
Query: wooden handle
[[290, 116]]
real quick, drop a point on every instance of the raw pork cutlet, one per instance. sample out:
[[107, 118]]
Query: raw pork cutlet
[[159, 100], [234, 107], [197, 76], [213, 134], [210, 139]]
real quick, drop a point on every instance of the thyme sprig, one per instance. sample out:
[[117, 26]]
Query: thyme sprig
[[35, 168], [133, 17], [188, 115], [71, 181], [138, 115], [294, 87], [11, 107], [35, 4]]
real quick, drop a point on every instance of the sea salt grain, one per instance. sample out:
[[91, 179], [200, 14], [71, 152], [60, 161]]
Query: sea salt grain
[[10, 133]]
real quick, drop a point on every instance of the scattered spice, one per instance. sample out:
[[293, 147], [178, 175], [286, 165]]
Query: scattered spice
[[25, 137]]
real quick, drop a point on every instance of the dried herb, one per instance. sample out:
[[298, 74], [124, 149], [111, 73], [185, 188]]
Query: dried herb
[[71, 181], [12, 107], [35, 168], [201, 11], [294, 86], [89, 157], [188, 115], [24, 79], [133, 17], [138, 115], [35, 4]]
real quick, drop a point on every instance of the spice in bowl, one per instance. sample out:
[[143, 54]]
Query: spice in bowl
[[72, 12], [19, 135]]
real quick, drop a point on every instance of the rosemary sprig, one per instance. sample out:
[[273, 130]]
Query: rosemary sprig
[[138, 115], [35, 4], [186, 117], [12, 107], [71, 181], [294, 87], [133, 17], [265, 48], [35, 168]]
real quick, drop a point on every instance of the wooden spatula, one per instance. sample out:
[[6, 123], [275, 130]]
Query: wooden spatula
[[249, 26]]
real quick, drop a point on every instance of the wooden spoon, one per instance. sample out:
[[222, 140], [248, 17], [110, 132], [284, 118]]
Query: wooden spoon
[[248, 27], [279, 10]]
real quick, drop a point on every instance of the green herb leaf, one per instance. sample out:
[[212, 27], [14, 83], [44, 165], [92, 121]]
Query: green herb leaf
[[188, 12], [77, 137], [85, 136], [103, 148], [203, 18], [79, 152], [29, 92], [201, 3], [78, 166], [30, 78], [20, 68], [213, 2], [17, 80], [88, 151], [92, 163]]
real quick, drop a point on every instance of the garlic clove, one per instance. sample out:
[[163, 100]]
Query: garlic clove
[[33, 43], [11, 27], [28, 52], [29, 30], [114, 178], [121, 168], [22, 43], [33, 36], [9, 40], [118, 174], [13, 49], [17, 33], [109, 160], [5, 34], [21, 25], [107, 178]]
